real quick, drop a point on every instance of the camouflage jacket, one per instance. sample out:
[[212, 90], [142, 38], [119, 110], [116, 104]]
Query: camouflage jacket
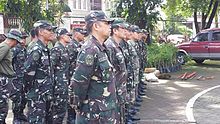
[[38, 72], [19, 55], [73, 49], [118, 61], [60, 62], [134, 61], [93, 80]]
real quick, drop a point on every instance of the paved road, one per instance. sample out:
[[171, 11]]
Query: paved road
[[166, 100]]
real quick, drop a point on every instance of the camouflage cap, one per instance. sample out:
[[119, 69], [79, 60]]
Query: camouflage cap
[[62, 31], [135, 28], [24, 35], [15, 34], [97, 16], [80, 30], [44, 24], [118, 23]]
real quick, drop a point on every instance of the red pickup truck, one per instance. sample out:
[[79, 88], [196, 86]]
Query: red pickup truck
[[205, 45]]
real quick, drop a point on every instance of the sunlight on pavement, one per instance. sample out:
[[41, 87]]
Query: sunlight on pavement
[[185, 84]]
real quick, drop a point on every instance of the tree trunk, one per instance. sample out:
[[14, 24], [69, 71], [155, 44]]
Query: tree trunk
[[203, 20], [195, 21], [214, 10]]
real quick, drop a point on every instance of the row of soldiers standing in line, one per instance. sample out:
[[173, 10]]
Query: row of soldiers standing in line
[[97, 82]]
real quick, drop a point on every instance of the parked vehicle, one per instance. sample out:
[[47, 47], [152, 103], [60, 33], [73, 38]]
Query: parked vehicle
[[205, 45], [175, 38]]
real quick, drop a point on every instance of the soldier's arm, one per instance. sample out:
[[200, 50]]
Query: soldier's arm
[[81, 78], [31, 65], [4, 50], [55, 55]]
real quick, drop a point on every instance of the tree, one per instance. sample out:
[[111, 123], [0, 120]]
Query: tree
[[143, 13], [29, 11], [187, 8]]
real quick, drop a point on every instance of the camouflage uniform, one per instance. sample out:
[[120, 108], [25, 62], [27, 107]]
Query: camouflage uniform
[[38, 76], [73, 49], [19, 100], [61, 63], [6, 71], [125, 49], [94, 85], [134, 61], [118, 61]]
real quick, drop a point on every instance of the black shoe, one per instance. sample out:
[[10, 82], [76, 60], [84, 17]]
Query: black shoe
[[133, 108], [137, 104], [139, 99], [141, 93], [133, 118]]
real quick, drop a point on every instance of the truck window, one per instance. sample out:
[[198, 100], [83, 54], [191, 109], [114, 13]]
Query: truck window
[[216, 36], [201, 37]]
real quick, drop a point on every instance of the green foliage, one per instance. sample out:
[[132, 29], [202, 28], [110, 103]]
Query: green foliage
[[29, 11], [146, 14], [188, 8], [161, 55]]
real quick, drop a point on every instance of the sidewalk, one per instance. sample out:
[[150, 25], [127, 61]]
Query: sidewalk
[[207, 108]]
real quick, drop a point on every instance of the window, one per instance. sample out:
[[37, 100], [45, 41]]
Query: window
[[74, 4], [216, 36], [79, 4], [96, 4], [201, 37], [84, 4]]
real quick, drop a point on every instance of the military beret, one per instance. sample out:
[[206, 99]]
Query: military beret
[[15, 34], [118, 23], [24, 35], [97, 16], [44, 24], [62, 31], [135, 28], [80, 30]]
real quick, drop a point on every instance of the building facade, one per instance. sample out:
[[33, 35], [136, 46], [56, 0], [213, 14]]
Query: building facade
[[80, 8]]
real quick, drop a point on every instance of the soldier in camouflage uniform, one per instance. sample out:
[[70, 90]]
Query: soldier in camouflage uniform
[[38, 76], [61, 63], [93, 81], [19, 55], [118, 61], [33, 39], [7, 73], [74, 48]]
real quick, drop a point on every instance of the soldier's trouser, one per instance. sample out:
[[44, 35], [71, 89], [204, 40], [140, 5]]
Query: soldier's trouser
[[59, 109], [71, 115], [4, 95], [104, 117], [39, 112], [120, 114], [18, 97]]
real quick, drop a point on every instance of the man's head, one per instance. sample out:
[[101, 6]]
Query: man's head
[[45, 30], [99, 23], [118, 29], [15, 36], [135, 31], [63, 35], [23, 39], [79, 34]]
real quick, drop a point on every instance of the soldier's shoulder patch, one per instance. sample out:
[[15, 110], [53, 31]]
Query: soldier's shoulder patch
[[89, 59], [36, 55]]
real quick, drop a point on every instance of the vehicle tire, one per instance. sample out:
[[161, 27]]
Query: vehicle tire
[[181, 58], [199, 61]]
